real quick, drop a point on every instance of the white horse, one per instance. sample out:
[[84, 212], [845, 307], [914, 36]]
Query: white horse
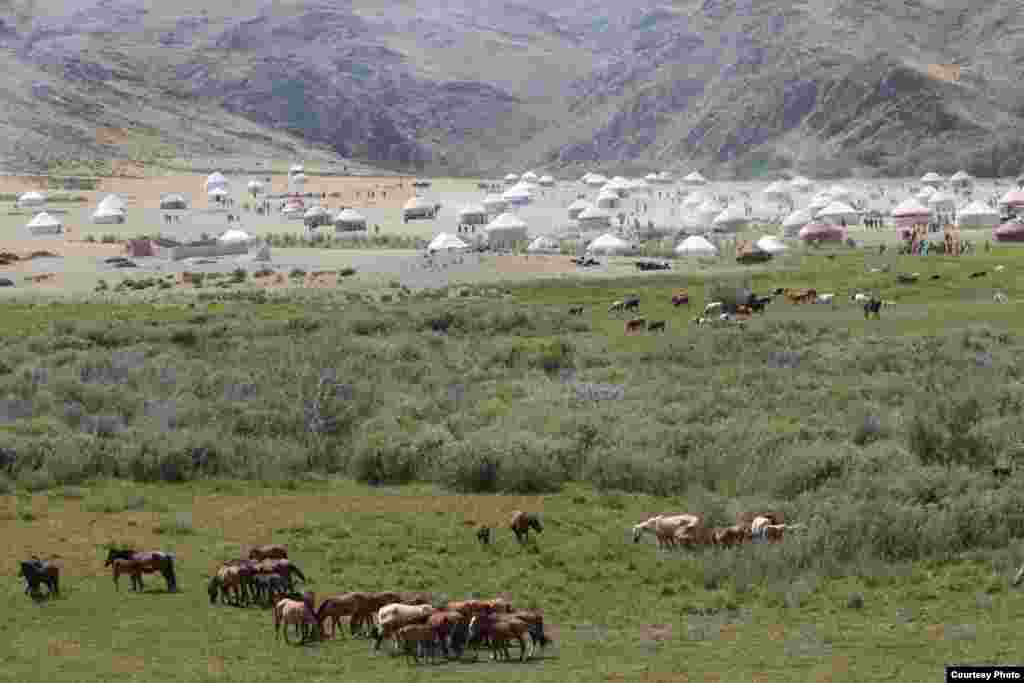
[[392, 617], [664, 528]]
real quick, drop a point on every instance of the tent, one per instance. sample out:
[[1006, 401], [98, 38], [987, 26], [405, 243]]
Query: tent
[[730, 219], [822, 232], [1011, 231], [255, 187], [925, 193], [771, 244], [505, 231], [417, 207], [349, 220], [44, 224], [596, 180], [838, 193], [112, 203], [473, 214], [594, 217], [546, 181], [316, 216], [977, 215], [107, 216], [544, 245], [794, 221], [776, 190], [819, 202], [695, 178], [611, 245], [529, 177], [216, 180], [235, 235], [961, 179], [695, 245], [511, 178], [173, 202], [578, 207], [217, 192], [694, 200], [446, 242], [933, 179], [652, 178], [495, 203], [607, 200], [31, 199], [838, 212]]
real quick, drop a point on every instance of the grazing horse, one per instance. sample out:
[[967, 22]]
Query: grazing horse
[[367, 612], [635, 325], [535, 622], [149, 562], [334, 608], [470, 608], [392, 617], [268, 552], [298, 613], [695, 535], [665, 528], [521, 524], [499, 632], [228, 582], [631, 303], [414, 637], [450, 629], [483, 535], [37, 572], [283, 568], [681, 298], [656, 325], [576, 310], [269, 588]]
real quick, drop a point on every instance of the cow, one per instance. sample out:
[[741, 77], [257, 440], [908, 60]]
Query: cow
[[635, 325], [656, 325]]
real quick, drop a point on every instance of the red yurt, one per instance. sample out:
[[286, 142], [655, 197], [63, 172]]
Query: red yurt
[[1011, 231], [908, 214], [822, 232]]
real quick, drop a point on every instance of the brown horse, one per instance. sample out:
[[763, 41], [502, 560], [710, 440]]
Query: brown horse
[[345, 605], [499, 632], [367, 614], [521, 524], [268, 552], [144, 563], [471, 608], [450, 630]]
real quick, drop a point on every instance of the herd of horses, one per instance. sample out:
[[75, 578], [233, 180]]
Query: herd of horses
[[690, 531]]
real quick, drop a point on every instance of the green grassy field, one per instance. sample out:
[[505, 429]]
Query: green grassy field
[[881, 436]]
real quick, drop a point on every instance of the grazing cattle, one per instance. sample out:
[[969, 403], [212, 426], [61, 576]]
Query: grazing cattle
[[824, 299], [758, 303], [773, 532], [576, 310], [888, 304], [873, 307], [681, 299], [701, 322], [392, 617], [268, 552], [521, 524], [713, 308], [631, 303], [800, 296], [298, 613], [656, 325], [665, 528], [37, 572], [617, 307], [499, 632], [483, 535], [414, 637], [148, 563], [980, 273]]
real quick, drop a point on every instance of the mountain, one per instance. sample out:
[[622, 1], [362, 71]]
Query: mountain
[[737, 87]]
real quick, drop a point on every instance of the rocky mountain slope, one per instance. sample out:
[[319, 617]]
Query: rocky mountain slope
[[739, 86]]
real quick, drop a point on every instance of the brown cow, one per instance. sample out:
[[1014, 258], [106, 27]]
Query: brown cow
[[636, 325]]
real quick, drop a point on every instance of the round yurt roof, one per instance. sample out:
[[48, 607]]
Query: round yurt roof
[[546, 180], [931, 177], [961, 176], [801, 181], [349, 216], [652, 177], [234, 235], [822, 231], [314, 211], [1011, 231], [216, 179], [593, 213], [838, 192], [798, 218], [596, 180], [1013, 197], [445, 240], [506, 221], [910, 207], [543, 243], [297, 179], [580, 205], [43, 220], [112, 201], [941, 198], [695, 199], [103, 211], [511, 178], [255, 185], [771, 244], [694, 178], [472, 210], [838, 209], [925, 192], [819, 201], [494, 199], [416, 202], [217, 192], [31, 197], [529, 177], [730, 215], [696, 245], [609, 242], [977, 208], [775, 189], [173, 199]]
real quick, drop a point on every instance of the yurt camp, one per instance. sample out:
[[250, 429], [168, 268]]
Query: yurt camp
[[505, 231]]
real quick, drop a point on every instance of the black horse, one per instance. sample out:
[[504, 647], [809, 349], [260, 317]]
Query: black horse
[[153, 561], [37, 572], [872, 307]]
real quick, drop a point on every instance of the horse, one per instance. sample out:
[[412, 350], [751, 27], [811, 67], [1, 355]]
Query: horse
[[368, 611], [729, 536], [617, 307], [345, 605], [655, 325], [499, 632], [284, 568], [392, 617], [665, 528], [873, 307], [635, 325], [483, 535], [576, 310], [149, 562], [521, 524], [37, 572], [450, 628], [267, 587], [268, 552], [535, 622], [226, 581], [298, 613], [133, 568], [470, 608]]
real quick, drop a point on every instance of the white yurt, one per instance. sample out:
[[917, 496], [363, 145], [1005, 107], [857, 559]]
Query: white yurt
[[694, 179], [473, 214], [315, 216], [664, 177], [801, 184], [771, 244], [586, 177], [943, 201], [838, 193], [235, 235], [505, 231], [608, 200], [517, 196], [793, 222], [511, 178], [495, 204], [107, 216], [417, 207], [529, 177], [695, 245], [819, 202], [961, 179], [594, 218], [546, 181], [977, 215], [933, 179], [296, 169], [910, 207], [639, 186], [44, 224], [216, 180], [255, 187], [617, 185], [544, 245], [704, 215], [446, 242], [839, 212], [173, 202], [776, 190], [349, 220], [30, 199], [652, 178], [730, 219], [610, 245], [217, 192], [112, 203], [578, 207], [596, 180]]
